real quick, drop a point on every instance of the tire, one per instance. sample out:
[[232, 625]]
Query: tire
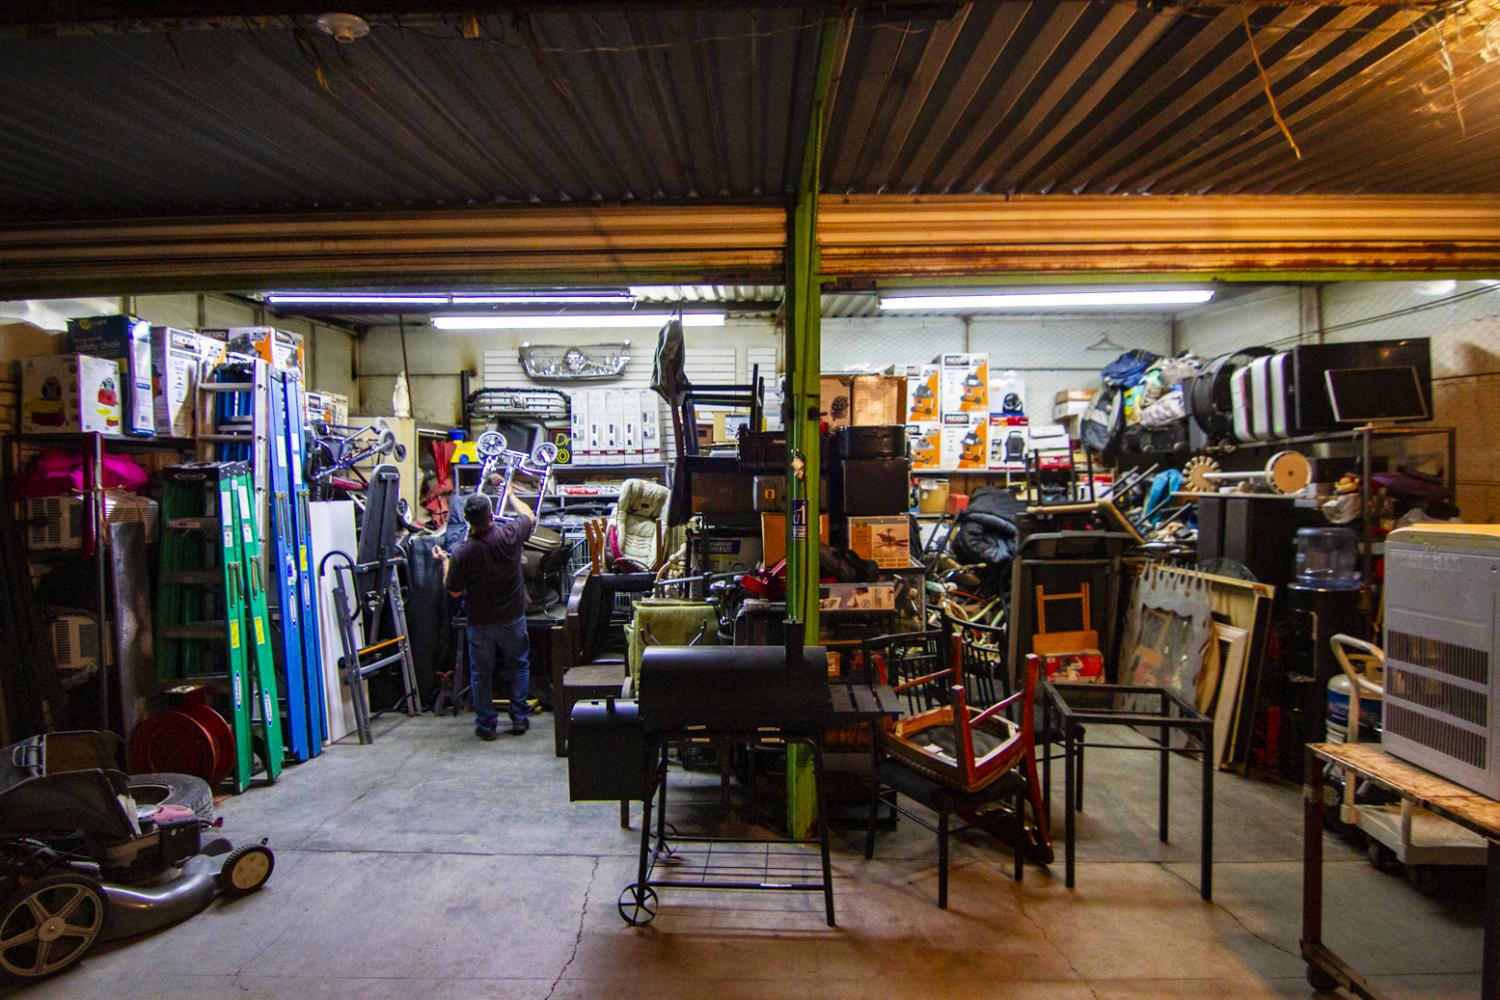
[[173, 790], [50, 925], [246, 870]]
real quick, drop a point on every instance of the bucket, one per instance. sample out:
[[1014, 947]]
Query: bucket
[[932, 496]]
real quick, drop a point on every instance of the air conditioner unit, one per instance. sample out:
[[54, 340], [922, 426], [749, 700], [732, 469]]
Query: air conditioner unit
[[1442, 703], [75, 645], [57, 522]]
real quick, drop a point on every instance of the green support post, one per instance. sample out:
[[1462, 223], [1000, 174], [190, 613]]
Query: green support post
[[804, 289]]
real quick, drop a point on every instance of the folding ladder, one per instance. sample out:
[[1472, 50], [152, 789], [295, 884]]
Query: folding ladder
[[307, 592], [211, 595]]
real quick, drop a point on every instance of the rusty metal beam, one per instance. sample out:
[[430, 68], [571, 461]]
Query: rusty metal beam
[[934, 236], [861, 236]]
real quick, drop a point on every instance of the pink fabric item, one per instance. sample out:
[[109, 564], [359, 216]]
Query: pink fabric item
[[57, 472]]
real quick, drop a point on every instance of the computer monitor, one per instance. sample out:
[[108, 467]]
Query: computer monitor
[[1372, 395]]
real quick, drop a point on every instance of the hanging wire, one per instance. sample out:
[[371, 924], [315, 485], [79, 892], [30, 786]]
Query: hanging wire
[[1270, 97]]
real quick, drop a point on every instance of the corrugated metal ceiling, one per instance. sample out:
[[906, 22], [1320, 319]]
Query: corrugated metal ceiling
[[707, 102]]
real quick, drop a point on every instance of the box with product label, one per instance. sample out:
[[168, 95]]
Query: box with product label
[[836, 400], [885, 540], [1084, 667], [922, 394], [630, 426], [597, 418], [125, 340], [651, 447], [611, 423], [1008, 442], [926, 445], [773, 536], [1007, 394], [328, 407], [64, 393], [212, 347], [965, 443], [876, 596], [174, 381], [964, 383], [578, 427], [1049, 438], [733, 554], [279, 348]]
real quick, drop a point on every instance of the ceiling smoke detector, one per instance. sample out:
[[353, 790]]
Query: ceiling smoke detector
[[344, 28]]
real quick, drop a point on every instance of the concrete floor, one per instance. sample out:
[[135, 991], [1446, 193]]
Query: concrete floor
[[433, 865]]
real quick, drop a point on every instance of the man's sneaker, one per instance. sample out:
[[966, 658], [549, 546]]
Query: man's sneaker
[[519, 728], [487, 737]]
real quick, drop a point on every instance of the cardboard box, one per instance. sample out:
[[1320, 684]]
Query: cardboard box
[[278, 348], [1008, 443], [964, 383], [886, 540], [613, 423], [923, 400], [126, 341], [1070, 410], [879, 596], [651, 446], [212, 347], [1074, 396], [1007, 394], [879, 400], [926, 445], [64, 393], [965, 443], [578, 427], [733, 554], [836, 400], [1084, 667], [597, 419], [773, 536], [630, 426], [174, 381], [329, 407]]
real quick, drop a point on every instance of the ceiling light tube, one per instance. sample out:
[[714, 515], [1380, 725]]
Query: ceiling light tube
[[571, 321], [353, 299], [542, 298], [1048, 300]]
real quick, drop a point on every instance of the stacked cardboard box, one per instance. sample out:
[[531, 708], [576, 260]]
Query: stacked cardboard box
[[616, 427], [963, 416]]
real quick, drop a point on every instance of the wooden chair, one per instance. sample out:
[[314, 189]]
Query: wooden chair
[[960, 778]]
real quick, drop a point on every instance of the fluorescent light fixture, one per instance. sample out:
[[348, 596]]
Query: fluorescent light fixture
[[352, 299], [543, 298], [1047, 300], [571, 321]]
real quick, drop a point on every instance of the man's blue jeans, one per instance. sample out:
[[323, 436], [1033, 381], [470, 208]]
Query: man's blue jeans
[[507, 647]]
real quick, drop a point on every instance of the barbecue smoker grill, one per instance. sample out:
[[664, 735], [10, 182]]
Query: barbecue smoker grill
[[743, 694]]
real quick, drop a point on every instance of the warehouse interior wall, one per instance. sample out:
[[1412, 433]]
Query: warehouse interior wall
[[438, 356], [1462, 319]]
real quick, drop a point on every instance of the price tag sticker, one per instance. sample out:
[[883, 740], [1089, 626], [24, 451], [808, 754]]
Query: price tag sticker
[[799, 520]]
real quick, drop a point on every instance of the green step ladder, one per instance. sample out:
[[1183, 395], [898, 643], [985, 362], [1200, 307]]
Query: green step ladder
[[212, 627]]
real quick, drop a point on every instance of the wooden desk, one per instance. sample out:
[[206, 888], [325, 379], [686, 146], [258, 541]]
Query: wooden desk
[[1470, 810]]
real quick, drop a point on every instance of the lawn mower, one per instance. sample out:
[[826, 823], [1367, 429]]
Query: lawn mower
[[88, 854]]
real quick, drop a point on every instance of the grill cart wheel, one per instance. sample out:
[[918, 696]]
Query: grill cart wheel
[[638, 904]]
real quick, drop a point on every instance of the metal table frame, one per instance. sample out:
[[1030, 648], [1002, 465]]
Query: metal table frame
[[1174, 714], [1472, 811]]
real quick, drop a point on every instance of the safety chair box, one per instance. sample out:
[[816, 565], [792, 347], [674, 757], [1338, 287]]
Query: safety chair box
[[609, 756], [126, 341], [67, 393]]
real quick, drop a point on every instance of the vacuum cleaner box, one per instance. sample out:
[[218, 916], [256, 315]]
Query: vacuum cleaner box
[[174, 381], [965, 443], [278, 348], [1008, 441], [65, 393], [1007, 394], [922, 394], [965, 383], [885, 540], [126, 341], [926, 448]]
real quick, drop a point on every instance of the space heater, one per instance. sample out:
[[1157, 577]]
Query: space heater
[[57, 522], [75, 643], [1442, 705]]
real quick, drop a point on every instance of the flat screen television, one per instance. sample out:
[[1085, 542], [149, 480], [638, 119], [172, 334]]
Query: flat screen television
[[1371, 395], [1312, 362]]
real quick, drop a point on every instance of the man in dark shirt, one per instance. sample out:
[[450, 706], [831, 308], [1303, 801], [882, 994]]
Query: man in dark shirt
[[486, 572]]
